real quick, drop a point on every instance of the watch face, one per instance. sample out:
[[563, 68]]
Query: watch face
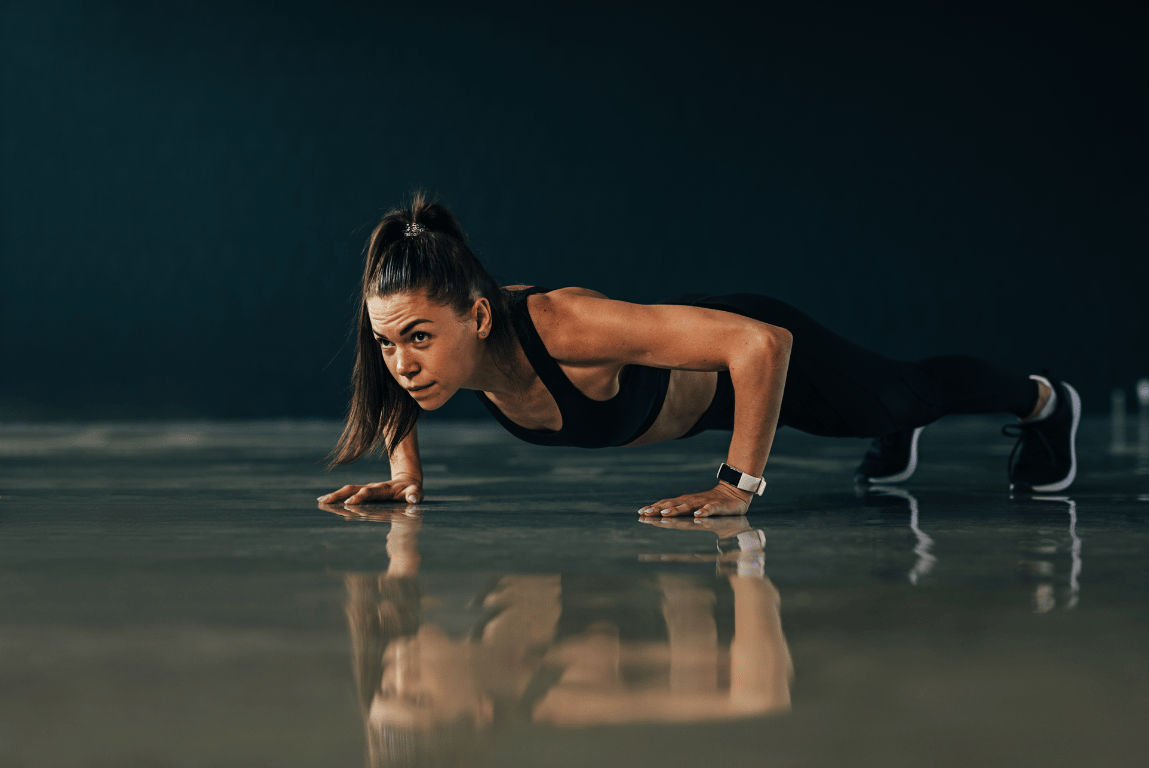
[[729, 474]]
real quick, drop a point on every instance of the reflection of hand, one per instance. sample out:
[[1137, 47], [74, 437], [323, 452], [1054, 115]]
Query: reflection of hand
[[410, 515], [402, 487], [724, 527], [402, 539], [720, 500]]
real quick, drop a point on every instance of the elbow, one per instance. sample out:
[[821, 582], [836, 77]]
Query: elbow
[[765, 346], [775, 343], [783, 340]]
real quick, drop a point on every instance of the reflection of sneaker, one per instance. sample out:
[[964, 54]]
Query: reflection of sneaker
[[926, 559], [891, 458], [1046, 458]]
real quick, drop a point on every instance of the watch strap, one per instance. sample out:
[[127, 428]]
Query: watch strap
[[741, 480]]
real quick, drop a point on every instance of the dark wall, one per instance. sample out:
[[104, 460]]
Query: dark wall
[[185, 188]]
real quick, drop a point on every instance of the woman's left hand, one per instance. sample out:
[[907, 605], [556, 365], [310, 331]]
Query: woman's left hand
[[723, 499]]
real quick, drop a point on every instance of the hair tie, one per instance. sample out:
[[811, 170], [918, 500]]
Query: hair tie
[[414, 230]]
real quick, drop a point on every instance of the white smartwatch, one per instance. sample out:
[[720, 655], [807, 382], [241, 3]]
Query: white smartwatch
[[741, 480]]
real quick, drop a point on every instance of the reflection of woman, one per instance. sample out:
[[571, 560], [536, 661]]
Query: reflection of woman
[[566, 651], [571, 367]]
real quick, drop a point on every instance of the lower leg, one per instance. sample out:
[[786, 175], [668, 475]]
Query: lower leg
[[963, 384], [1044, 394]]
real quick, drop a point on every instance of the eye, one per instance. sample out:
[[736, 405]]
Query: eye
[[383, 342], [419, 336]]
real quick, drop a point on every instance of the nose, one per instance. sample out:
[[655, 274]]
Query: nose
[[405, 364]]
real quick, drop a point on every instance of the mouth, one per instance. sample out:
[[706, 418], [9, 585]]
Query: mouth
[[413, 390]]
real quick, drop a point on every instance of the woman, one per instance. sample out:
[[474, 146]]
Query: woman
[[572, 367]]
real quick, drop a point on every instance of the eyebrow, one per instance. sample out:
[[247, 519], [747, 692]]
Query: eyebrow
[[405, 330]]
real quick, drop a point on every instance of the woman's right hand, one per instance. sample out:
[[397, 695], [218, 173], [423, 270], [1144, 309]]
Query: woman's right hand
[[402, 487]]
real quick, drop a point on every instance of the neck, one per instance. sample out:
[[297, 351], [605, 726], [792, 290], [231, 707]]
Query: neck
[[490, 378]]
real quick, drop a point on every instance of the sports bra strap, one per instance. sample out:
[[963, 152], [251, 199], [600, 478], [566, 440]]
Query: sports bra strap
[[545, 366]]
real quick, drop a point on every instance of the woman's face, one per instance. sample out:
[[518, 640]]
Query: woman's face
[[427, 679], [430, 349]]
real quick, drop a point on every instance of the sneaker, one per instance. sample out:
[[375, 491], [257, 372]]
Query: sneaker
[[1045, 457], [891, 458]]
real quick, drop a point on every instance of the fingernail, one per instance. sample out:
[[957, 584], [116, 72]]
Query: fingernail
[[412, 498], [644, 511], [666, 511], [322, 498]]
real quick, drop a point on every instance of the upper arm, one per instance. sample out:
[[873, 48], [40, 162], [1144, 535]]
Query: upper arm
[[579, 328]]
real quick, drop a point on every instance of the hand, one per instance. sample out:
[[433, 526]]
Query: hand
[[402, 487], [723, 499]]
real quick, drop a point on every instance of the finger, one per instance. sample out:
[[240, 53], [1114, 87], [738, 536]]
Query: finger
[[713, 510], [362, 495], [657, 507], [339, 494], [413, 494], [717, 510], [678, 510], [385, 492]]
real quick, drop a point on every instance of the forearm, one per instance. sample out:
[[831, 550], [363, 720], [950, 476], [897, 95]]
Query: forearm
[[405, 460], [759, 378]]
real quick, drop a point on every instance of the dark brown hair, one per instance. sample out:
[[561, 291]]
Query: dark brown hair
[[435, 259]]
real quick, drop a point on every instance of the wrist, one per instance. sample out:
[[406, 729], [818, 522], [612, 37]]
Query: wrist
[[735, 493], [408, 475], [739, 480]]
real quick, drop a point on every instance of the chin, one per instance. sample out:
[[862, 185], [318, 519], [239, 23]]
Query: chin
[[433, 403]]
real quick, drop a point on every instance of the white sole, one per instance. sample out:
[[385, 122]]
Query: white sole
[[1060, 485], [911, 467]]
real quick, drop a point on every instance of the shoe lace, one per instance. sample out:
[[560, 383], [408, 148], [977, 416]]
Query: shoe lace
[[1026, 431]]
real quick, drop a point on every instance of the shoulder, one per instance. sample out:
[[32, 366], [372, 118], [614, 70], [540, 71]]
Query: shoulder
[[557, 292], [565, 308], [581, 325], [569, 307]]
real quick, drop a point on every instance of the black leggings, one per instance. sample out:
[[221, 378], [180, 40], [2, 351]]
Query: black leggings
[[838, 389]]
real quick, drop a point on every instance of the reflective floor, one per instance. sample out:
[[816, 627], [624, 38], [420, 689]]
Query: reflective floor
[[172, 595]]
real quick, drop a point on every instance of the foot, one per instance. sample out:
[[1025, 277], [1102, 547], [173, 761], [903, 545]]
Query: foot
[[1045, 457], [891, 458]]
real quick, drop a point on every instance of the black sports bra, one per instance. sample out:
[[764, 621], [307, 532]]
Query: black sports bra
[[587, 423]]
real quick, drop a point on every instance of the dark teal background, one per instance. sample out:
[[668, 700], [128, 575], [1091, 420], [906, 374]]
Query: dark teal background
[[185, 188]]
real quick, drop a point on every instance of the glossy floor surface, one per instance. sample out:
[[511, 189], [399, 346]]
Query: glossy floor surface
[[172, 595]]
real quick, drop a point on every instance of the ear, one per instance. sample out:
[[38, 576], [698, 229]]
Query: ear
[[481, 316]]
